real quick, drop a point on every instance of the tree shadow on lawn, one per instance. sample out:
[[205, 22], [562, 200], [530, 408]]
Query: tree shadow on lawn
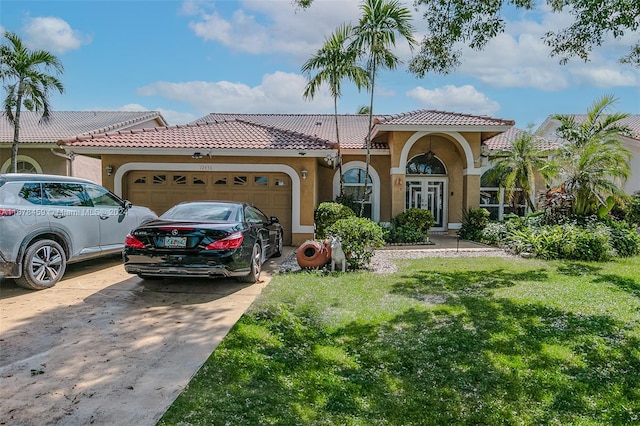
[[473, 359]]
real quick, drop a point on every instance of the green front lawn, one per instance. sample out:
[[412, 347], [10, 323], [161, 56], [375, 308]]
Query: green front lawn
[[477, 341]]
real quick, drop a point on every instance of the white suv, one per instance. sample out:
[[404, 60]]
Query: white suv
[[47, 221]]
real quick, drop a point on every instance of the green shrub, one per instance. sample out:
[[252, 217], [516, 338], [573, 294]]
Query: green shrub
[[625, 240], [411, 226], [360, 237], [327, 213], [473, 222], [405, 234], [349, 201], [632, 214]]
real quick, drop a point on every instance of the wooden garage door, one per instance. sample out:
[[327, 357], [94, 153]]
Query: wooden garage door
[[270, 192]]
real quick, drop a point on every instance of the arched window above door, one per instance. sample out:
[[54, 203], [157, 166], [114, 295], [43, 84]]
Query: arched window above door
[[424, 164]]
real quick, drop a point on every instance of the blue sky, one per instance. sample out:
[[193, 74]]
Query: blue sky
[[190, 58]]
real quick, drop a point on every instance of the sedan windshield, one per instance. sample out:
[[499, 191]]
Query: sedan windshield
[[204, 212]]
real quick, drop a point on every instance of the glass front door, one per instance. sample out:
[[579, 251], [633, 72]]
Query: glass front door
[[429, 194]]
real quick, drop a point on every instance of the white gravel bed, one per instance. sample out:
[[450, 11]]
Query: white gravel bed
[[382, 261]]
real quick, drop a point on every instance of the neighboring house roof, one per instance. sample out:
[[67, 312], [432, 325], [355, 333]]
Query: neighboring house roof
[[632, 122], [505, 141], [550, 125], [232, 134], [66, 124]]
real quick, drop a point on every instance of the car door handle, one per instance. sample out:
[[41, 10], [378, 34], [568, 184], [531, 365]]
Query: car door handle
[[59, 215], [104, 216]]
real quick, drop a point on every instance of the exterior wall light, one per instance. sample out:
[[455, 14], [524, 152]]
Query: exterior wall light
[[196, 155], [109, 170], [304, 174]]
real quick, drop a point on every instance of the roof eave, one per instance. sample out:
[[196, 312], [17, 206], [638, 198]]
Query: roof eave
[[213, 152], [443, 128]]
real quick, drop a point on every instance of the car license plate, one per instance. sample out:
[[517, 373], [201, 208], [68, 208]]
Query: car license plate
[[175, 242]]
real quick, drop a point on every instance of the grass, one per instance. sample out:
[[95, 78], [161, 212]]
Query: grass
[[488, 341]]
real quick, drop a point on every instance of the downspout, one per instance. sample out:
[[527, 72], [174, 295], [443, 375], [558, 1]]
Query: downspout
[[68, 156]]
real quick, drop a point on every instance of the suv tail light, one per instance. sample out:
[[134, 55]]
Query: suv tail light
[[133, 242], [7, 212], [230, 242]]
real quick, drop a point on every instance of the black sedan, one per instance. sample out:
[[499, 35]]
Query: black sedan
[[204, 239]]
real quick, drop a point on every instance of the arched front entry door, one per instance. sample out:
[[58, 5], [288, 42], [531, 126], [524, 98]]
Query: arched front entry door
[[426, 187]]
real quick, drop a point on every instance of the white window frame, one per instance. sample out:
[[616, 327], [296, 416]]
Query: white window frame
[[7, 164], [375, 185]]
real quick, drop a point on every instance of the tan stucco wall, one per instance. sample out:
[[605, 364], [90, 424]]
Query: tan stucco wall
[[463, 190], [308, 187], [50, 163]]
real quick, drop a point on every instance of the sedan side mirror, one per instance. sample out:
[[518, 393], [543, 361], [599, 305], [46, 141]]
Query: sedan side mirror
[[274, 219]]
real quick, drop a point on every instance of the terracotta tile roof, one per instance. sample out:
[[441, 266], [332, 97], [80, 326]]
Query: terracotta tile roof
[[231, 134], [505, 141], [67, 124], [442, 118], [353, 127]]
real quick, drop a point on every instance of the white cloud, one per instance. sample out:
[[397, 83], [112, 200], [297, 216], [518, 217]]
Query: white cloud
[[268, 27], [520, 58], [53, 34], [279, 92], [465, 99]]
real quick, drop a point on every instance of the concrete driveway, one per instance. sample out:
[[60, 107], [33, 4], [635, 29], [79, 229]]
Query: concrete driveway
[[104, 347]]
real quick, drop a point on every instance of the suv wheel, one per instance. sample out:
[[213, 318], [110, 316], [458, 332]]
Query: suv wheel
[[43, 265]]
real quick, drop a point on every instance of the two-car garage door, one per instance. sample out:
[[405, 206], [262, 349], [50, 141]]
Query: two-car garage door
[[159, 190]]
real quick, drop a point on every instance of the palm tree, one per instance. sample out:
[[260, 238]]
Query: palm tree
[[515, 168], [593, 163], [334, 61], [374, 36], [28, 83]]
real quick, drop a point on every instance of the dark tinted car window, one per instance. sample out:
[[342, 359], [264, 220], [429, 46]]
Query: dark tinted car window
[[206, 212], [65, 194], [32, 192], [101, 197]]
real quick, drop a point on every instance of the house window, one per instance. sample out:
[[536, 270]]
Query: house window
[[492, 198], [159, 179], [239, 180], [425, 165], [354, 178], [25, 164]]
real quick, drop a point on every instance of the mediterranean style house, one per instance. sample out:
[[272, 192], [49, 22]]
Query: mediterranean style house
[[286, 164], [39, 153]]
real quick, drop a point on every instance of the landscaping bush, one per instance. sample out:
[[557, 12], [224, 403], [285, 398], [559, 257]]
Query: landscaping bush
[[625, 240], [327, 213], [473, 222], [360, 237], [411, 226], [632, 214]]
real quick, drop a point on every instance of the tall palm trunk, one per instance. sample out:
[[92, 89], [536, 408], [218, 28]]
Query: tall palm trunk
[[368, 141], [16, 131], [339, 159]]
